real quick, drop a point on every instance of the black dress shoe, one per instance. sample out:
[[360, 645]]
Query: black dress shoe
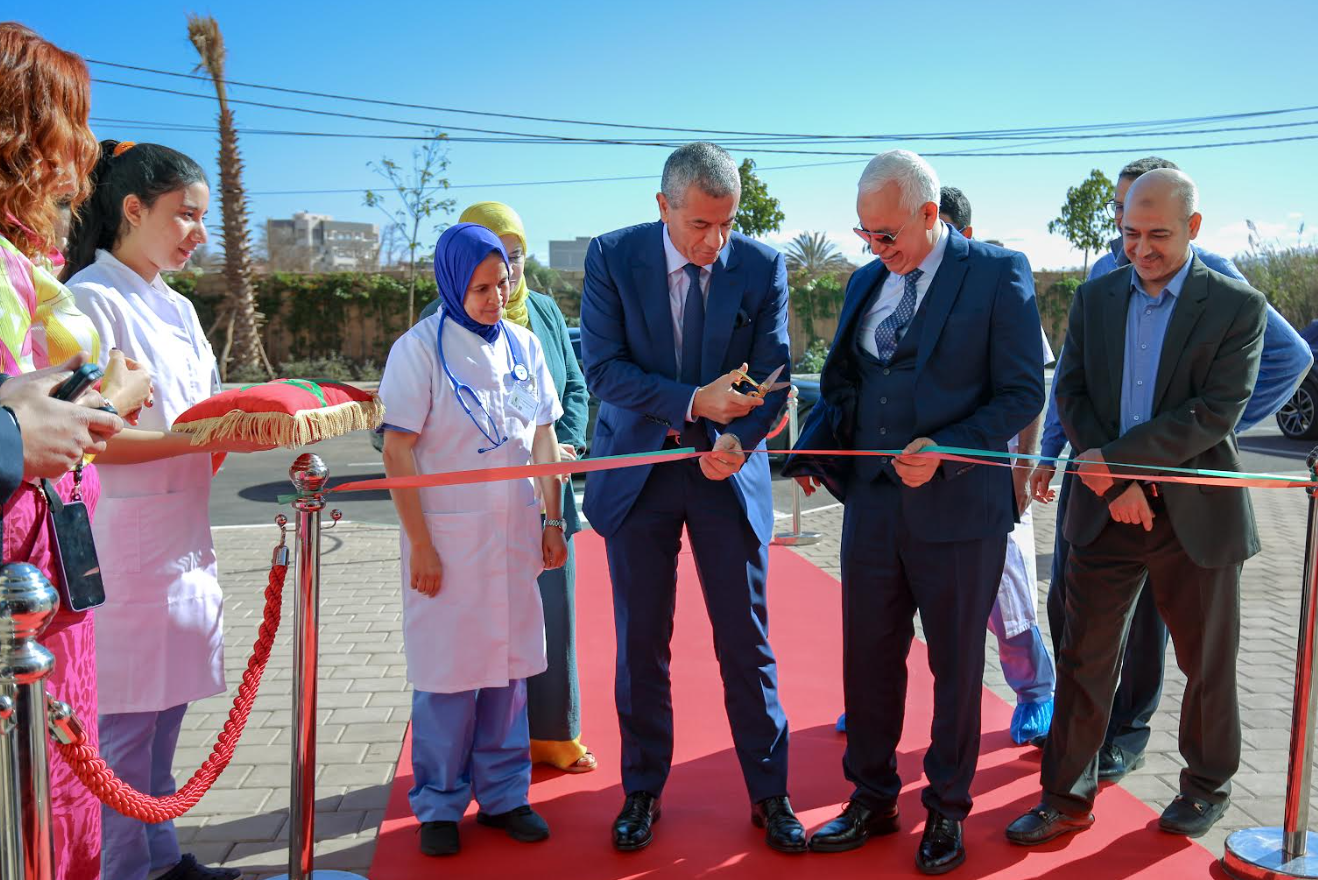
[[940, 849], [522, 824], [439, 838], [1191, 816], [782, 830], [1043, 824], [855, 826], [188, 868], [632, 830], [1114, 763]]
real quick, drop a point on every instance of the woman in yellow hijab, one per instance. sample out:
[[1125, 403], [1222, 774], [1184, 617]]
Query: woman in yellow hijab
[[553, 698]]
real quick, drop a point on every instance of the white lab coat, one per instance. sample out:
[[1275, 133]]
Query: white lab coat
[[159, 635], [1018, 592], [485, 627]]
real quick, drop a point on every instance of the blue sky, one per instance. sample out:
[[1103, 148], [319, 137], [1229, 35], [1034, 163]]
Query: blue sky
[[822, 68]]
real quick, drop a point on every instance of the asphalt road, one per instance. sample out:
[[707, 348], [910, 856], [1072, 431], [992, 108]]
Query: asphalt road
[[247, 489]]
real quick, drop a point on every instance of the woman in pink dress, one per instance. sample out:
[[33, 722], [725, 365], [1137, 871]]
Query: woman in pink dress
[[48, 154]]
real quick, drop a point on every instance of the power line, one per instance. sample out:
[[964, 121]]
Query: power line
[[979, 134]]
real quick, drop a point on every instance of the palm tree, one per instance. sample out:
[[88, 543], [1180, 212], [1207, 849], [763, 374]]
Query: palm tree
[[811, 255], [242, 350]]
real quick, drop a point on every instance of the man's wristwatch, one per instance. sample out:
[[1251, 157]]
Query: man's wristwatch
[[560, 524]]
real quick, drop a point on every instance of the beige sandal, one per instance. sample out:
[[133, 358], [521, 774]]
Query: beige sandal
[[584, 764]]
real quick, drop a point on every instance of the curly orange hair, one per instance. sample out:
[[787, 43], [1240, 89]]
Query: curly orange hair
[[45, 97]]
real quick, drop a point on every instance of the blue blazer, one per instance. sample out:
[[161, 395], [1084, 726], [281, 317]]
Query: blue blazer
[[979, 381], [631, 360]]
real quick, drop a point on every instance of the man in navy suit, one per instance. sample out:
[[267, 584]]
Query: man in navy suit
[[668, 311], [938, 344]]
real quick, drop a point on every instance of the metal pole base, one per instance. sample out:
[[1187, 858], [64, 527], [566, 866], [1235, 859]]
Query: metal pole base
[[788, 539], [321, 874], [1258, 854]]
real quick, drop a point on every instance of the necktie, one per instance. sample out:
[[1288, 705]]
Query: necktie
[[693, 328], [891, 328], [693, 339]]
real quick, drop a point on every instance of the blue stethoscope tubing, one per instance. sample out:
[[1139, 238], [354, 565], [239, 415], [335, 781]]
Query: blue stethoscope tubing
[[518, 370]]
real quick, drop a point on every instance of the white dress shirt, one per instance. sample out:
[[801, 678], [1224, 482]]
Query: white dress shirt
[[678, 284], [894, 286]]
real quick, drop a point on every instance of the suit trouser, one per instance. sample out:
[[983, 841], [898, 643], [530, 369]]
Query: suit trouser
[[469, 743], [888, 573], [139, 748], [1139, 689], [1202, 609], [732, 564]]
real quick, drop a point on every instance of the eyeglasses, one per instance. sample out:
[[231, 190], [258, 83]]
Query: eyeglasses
[[884, 239], [1112, 206]]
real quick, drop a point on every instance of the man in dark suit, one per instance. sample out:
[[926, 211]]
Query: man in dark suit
[[668, 311], [938, 343], [1159, 363]]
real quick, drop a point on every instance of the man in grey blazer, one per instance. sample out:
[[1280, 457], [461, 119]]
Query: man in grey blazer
[[1159, 362]]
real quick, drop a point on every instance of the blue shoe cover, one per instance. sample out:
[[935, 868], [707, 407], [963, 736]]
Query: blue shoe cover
[[1031, 720]]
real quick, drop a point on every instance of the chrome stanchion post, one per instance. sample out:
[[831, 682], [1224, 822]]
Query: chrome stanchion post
[[309, 475], [27, 605], [1292, 850], [795, 537]]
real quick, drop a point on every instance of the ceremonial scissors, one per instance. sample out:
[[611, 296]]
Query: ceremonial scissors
[[769, 385]]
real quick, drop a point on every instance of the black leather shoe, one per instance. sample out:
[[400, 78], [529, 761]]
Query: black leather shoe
[[188, 868], [1191, 816], [633, 829], [1043, 824], [940, 849], [522, 824], [1114, 763], [439, 838], [782, 830], [855, 826]]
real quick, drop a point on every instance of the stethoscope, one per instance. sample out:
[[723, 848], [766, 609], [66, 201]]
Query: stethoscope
[[518, 370]]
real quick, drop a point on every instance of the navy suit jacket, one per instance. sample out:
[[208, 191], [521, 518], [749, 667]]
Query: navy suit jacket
[[631, 360], [979, 381]]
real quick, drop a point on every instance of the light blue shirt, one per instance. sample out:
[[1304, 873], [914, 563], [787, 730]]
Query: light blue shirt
[[1147, 318], [894, 286]]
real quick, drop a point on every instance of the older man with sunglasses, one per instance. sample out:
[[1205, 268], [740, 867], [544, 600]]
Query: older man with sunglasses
[[938, 344]]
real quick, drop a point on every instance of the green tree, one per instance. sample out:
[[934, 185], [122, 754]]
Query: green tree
[[1084, 220], [416, 189], [815, 299], [758, 212], [811, 255]]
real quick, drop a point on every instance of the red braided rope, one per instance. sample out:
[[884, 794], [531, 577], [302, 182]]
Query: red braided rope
[[91, 768], [779, 428]]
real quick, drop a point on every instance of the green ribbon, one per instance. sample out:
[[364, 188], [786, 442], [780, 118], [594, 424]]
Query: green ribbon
[[304, 384]]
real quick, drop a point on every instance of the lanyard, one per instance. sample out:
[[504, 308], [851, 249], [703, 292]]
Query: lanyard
[[489, 430]]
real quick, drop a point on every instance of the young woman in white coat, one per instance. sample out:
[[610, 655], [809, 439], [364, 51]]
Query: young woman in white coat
[[160, 640], [463, 390]]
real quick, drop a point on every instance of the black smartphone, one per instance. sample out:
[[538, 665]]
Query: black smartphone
[[80, 584], [83, 378]]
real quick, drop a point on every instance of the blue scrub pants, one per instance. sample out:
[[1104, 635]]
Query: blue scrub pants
[[1025, 662], [139, 748], [469, 743]]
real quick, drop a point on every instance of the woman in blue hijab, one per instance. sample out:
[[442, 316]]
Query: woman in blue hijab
[[464, 390]]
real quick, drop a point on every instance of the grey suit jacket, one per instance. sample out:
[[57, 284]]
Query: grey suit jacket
[[1210, 359]]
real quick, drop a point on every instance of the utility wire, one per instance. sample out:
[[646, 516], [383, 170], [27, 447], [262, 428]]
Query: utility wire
[[982, 134]]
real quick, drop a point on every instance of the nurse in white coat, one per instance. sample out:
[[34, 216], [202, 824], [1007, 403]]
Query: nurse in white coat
[[160, 640], [466, 390]]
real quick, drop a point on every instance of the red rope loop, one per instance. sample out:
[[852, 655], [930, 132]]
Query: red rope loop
[[91, 768], [782, 423]]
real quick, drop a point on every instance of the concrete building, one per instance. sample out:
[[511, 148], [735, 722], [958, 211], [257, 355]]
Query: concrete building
[[569, 256], [319, 243]]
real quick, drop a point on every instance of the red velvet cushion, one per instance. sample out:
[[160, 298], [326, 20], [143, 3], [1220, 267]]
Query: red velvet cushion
[[285, 412]]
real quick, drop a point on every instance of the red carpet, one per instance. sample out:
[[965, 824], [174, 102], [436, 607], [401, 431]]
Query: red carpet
[[705, 829]]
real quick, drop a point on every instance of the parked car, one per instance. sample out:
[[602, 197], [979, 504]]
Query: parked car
[[1297, 417]]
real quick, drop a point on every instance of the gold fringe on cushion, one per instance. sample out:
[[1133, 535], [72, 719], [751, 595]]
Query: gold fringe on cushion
[[282, 429]]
